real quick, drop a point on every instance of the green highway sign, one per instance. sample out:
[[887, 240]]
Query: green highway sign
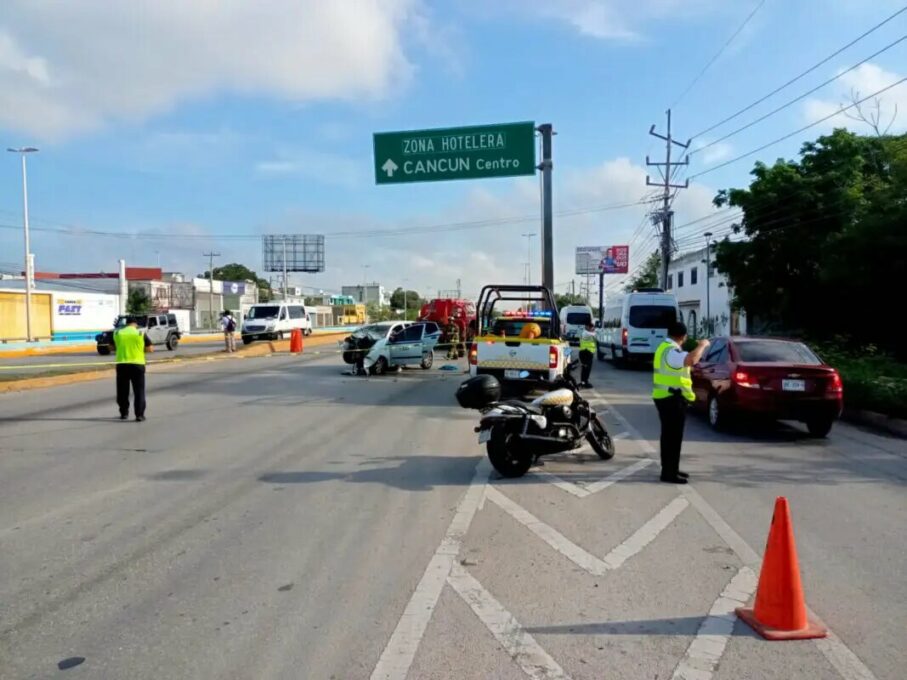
[[472, 152]]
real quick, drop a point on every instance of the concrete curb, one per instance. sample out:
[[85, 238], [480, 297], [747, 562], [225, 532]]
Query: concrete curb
[[258, 349], [49, 350], [878, 421]]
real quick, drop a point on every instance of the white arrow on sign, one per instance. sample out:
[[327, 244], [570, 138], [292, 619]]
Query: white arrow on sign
[[389, 167]]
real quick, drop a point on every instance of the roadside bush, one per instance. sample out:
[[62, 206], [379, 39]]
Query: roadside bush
[[873, 381]]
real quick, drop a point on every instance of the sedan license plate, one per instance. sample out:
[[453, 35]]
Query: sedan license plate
[[484, 436], [793, 385], [512, 374]]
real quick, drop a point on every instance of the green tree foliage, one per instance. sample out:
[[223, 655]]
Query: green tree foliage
[[647, 276], [376, 312], [568, 299], [827, 243], [138, 302], [239, 272], [412, 299]]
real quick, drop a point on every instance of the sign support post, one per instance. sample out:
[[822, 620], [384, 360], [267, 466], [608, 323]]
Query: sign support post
[[547, 132], [601, 297]]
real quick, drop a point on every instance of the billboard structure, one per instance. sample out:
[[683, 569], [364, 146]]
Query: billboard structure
[[602, 260], [293, 253]]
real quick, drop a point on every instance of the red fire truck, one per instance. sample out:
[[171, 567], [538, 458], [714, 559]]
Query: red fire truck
[[443, 310]]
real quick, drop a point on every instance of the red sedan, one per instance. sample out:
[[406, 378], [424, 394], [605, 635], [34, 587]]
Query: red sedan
[[771, 378]]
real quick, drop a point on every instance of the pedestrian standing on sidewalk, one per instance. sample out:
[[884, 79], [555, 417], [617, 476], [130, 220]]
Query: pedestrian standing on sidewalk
[[228, 326], [131, 346], [586, 354], [673, 392]]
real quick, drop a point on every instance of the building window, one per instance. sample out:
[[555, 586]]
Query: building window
[[670, 281], [694, 276], [692, 322], [680, 279]]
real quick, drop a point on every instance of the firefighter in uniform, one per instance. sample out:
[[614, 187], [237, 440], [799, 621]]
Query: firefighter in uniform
[[586, 354], [673, 392], [453, 339]]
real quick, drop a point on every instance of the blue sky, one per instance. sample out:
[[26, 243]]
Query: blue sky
[[175, 118]]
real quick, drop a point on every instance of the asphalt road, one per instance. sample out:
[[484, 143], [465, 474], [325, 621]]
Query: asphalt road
[[35, 366], [276, 519]]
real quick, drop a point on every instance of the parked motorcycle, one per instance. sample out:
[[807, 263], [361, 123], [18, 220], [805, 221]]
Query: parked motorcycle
[[516, 433]]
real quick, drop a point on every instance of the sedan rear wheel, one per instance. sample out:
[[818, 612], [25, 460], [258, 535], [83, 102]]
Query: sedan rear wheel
[[819, 427], [717, 418]]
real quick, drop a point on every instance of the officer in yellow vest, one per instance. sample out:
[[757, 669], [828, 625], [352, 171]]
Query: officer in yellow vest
[[586, 354], [673, 391], [131, 347]]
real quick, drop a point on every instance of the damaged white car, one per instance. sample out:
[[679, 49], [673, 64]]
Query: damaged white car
[[391, 344]]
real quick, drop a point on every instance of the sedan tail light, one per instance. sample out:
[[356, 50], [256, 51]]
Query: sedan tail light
[[744, 379], [624, 337], [553, 357], [473, 354], [834, 384]]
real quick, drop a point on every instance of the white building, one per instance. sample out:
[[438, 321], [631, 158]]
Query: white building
[[367, 294], [705, 310]]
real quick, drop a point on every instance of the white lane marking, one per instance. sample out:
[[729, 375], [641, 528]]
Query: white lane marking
[[550, 535], [595, 487], [560, 483], [646, 533], [520, 645], [400, 651], [839, 655], [621, 435], [638, 540], [706, 649]]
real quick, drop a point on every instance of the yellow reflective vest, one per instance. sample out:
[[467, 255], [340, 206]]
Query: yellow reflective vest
[[587, 342], [666, 378]]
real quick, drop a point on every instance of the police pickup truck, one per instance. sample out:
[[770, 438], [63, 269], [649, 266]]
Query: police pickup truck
[[503, 346]]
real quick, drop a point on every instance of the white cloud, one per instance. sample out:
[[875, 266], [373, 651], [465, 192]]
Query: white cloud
[[606, 19], [320, 166], [67, 67], [715, 153], [857, 84]]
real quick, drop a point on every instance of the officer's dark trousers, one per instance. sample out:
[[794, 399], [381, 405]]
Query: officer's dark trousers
[[585, 360], [673, 414], [131, 374]]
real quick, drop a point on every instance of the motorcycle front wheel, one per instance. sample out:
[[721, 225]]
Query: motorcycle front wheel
[[505, 453], [599, 439]]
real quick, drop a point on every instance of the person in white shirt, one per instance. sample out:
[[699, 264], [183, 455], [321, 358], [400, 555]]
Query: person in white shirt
[[228, 326]]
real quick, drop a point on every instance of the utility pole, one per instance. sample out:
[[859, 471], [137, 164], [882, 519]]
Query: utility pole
[[459, 289], [666, 169], [708, 281], [29, 258], [211, 257], [285, 284], [547, 132]]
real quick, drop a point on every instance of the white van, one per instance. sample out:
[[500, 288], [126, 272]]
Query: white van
[[573, 321], [634, 325], [273, 320]]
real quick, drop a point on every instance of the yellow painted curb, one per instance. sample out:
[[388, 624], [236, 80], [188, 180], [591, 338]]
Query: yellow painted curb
[[258, 349]]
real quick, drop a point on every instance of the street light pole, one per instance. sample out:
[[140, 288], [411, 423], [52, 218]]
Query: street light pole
[[708, 280], [528, 238], [29, 273]]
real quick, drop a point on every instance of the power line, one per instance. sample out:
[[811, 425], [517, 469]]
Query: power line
[[801, 75], [796, 99], [796, 132], [719, 52]]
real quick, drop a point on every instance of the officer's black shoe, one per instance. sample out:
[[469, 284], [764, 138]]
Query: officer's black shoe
[[587, 385], [124, 416], [683, 474], [140, 419], [677, 479]]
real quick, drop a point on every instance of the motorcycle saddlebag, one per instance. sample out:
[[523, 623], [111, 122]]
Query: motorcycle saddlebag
[[479, 391]]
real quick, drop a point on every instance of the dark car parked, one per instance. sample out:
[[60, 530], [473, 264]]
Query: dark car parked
[[766, 377]]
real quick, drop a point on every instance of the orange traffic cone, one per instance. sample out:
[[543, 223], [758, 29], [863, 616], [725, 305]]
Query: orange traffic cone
[[780, 609], [296, 341]]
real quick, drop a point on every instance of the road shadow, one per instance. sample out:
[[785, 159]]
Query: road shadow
[[684, 625]]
